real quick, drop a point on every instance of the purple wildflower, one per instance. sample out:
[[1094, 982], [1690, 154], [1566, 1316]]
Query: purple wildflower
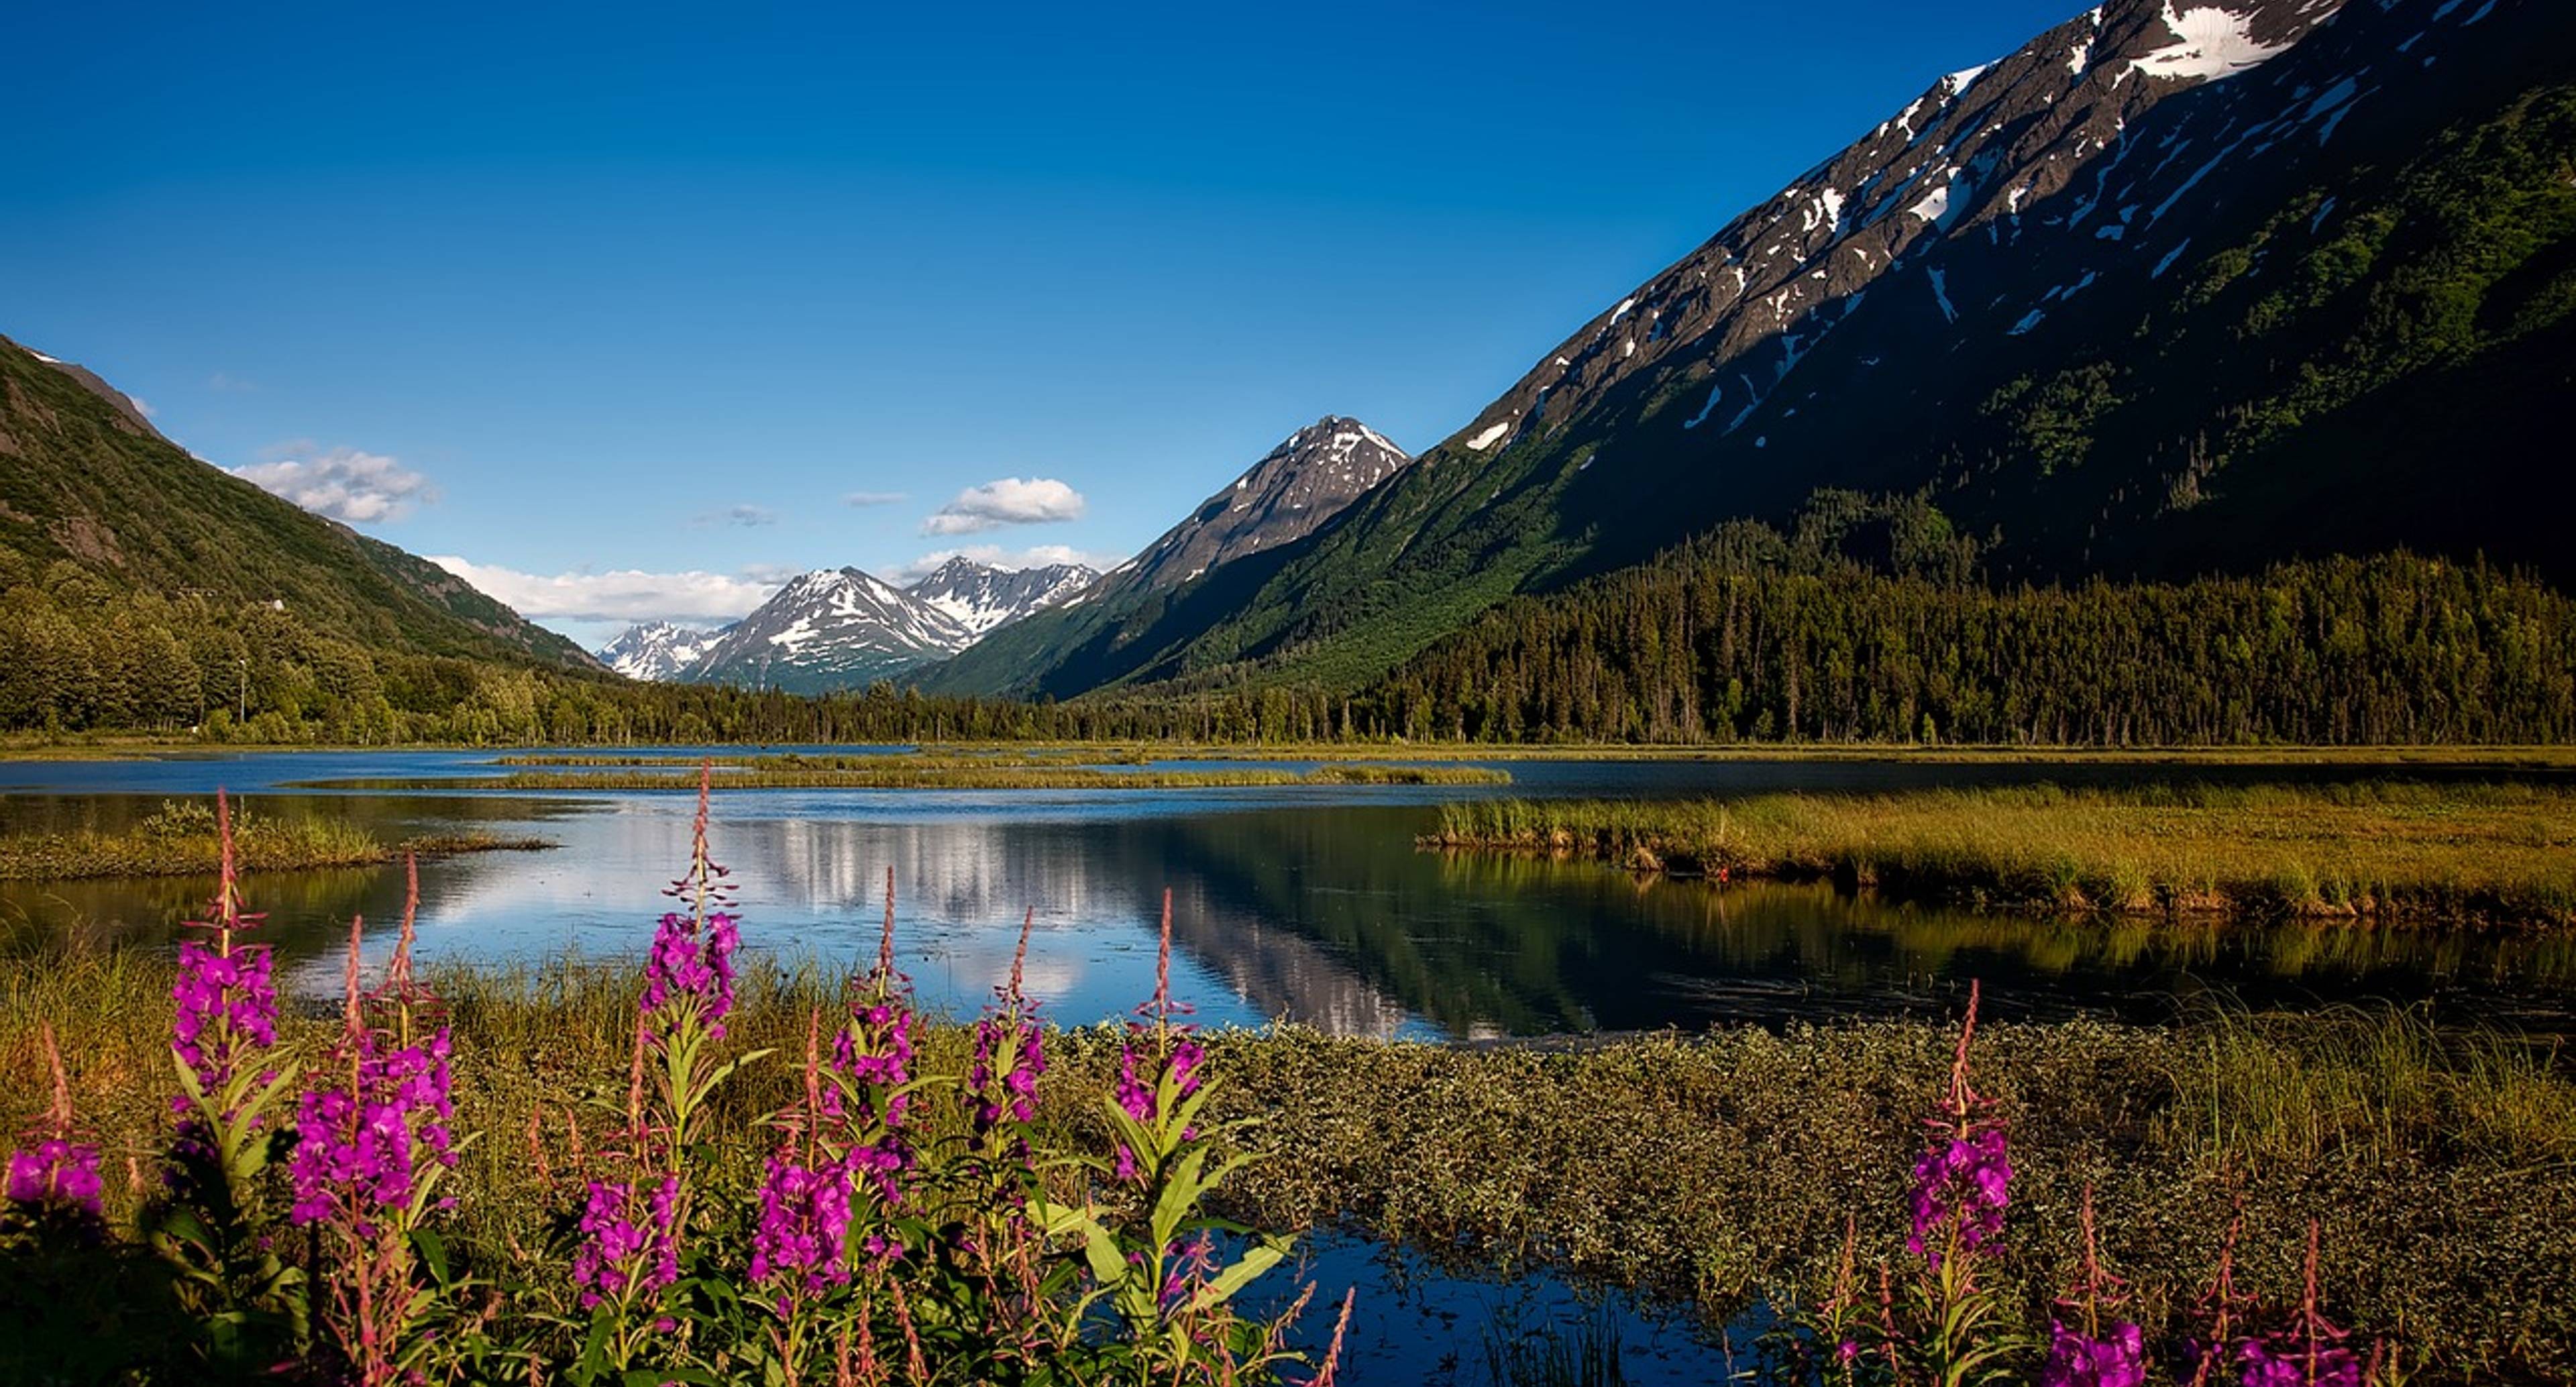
[[1966, 1182], [629, 1241], [358, 1149], [57, 1171], [227, 1006], [692, 969], [2076, 1359], [1001, 1092], [2283, 1362], [54, 1171], [804, 1225]]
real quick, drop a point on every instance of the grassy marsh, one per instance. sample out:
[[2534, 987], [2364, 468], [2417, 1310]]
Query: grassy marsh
[[2442, 1165], [179, 840], [2387, 850]]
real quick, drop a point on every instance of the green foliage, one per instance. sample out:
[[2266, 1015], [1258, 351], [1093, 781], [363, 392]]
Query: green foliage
[[1721, 640]]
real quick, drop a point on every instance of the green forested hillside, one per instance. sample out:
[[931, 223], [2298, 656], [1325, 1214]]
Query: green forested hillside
[[82, 484], [2371, 356]]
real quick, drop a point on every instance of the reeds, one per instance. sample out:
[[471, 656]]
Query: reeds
[[2385, 850], [180, 840]]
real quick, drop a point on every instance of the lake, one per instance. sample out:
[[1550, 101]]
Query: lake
[[1305, 903]]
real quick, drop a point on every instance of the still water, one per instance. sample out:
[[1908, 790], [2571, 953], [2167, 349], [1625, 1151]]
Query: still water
[[1306, 903]]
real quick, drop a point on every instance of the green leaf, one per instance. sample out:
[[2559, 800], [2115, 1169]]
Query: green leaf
[[1257, 1259], [433, 1253]]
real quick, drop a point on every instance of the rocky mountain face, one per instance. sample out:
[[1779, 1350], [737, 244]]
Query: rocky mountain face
[[658, 650], [829, 629], [1201, 566], [1295, 487], [844, 628], [980, 597], [2173, 287]]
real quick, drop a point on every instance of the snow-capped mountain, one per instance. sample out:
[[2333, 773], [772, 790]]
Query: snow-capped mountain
[[1295, 487], [830, 629], [658, 650], [981, 597]]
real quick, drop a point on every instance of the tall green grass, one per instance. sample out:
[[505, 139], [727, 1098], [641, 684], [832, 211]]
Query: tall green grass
[[2385, 849]]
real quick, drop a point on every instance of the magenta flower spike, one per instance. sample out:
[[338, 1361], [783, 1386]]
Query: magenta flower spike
[[362, 1145], [1157, 1046], [1010, 1055], [1963, 1184], [54, 1171]]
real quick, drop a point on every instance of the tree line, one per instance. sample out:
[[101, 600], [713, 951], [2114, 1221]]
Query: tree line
[[1745, 635], [1742, 636]]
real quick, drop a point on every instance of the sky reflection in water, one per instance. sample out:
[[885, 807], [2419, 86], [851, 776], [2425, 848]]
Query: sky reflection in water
[[1305, 903]]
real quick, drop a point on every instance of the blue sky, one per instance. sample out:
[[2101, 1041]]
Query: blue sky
[[571, 293]]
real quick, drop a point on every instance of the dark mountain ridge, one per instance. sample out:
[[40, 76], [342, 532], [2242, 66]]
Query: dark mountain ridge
[[2161, 292], [1194, 574]]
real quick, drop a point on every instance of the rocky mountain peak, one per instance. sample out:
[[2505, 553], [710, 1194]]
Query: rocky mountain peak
[[1295, 487], [981, 597], [2026, 149]]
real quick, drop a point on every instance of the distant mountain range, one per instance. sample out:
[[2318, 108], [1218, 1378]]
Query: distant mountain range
[[845, 628], [1294, 490]]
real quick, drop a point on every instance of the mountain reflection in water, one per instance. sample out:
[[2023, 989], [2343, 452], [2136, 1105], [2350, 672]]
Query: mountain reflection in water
[[1310, 905]]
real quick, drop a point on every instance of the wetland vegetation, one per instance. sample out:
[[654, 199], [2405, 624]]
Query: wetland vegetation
[[2385, 850], [180, 839]]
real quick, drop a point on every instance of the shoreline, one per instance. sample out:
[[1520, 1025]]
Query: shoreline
[[2473, 756]]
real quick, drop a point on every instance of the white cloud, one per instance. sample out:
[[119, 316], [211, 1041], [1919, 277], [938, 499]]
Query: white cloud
[[621, 595], [144, 407], [877, 498], [226, 383], [995, 556], [744, 515], [342, 483], [1007, 501]]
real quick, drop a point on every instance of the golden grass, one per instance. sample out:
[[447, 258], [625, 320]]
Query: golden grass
[[180, 840], [2387, 850]]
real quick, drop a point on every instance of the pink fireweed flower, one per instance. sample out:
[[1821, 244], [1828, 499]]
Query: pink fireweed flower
[[2308, 1352], [1001, 1092], [804, 1230], [359, 1148], [227, 1011], [56, 1172], [2077, 1359], [1963, 1184], [1157, 1047], [630, 1241], [691, 969]]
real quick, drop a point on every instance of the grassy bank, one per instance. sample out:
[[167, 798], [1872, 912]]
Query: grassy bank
[[179, 840], [2384, 850], [946, 772], [2441, 1167]]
